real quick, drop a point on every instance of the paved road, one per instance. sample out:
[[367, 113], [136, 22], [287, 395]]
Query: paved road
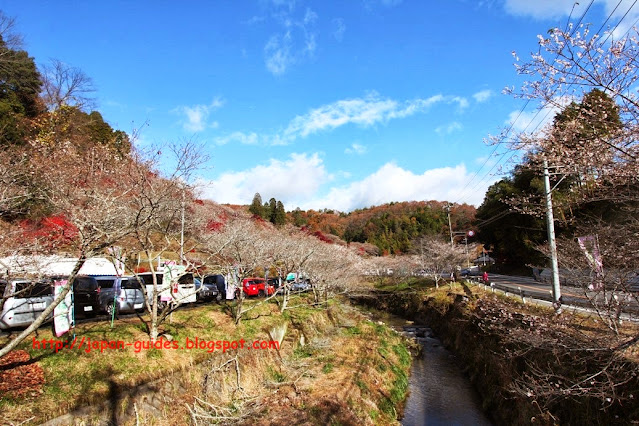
[[573, 296]]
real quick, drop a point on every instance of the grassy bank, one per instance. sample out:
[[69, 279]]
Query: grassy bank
[[531, 365], [332, 366]]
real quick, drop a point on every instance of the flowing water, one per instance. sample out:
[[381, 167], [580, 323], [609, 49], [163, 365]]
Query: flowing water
[[440, 394]]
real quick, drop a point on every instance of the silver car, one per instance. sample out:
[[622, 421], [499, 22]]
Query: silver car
[[129, 298], [24, 301]]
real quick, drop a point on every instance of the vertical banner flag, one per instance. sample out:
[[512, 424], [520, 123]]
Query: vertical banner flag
[[590, 246], [63, 313]]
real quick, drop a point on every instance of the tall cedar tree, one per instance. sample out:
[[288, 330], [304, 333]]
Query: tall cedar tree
[[256, 207], [279, 218]]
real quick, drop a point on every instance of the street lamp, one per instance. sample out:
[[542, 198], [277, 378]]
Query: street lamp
[[466, 235]]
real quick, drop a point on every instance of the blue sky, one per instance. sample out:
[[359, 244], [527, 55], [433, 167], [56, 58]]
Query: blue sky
[[320, 104]]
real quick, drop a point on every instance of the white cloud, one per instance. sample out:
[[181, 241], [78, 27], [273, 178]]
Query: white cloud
[[548, 9], [541, 9], [290, 4], [297, 182], [196, 117], [309, 17], [243, 138], [365, 112], [296, 42], [393, 183], [483, 96], [461, 102], [355, 149], [448, 129], [278, 54], [298, 177], [340, 29]]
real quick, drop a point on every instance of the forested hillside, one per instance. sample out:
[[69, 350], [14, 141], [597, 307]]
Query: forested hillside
[[390, 227]]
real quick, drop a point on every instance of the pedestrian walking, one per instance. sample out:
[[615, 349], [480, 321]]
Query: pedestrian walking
[[485, 277]]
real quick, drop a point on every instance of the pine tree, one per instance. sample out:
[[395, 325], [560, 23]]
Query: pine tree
[[256, 207], [279, 218], [272, 207]]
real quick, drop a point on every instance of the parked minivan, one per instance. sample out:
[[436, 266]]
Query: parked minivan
[[216, 285], [24, 301], [183, 291], [129, 298], [86, 295]]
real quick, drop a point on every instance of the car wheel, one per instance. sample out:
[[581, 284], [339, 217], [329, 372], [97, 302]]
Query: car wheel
[[112, 311], [261, 293], [161, 305]]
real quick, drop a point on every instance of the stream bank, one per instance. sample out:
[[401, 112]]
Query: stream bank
[[439, 391], [334, 366], [529, 364]]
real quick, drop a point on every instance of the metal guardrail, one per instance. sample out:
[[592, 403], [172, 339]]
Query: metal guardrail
[[571, 303]]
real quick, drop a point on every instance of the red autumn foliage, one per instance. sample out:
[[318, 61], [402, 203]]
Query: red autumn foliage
[[56, 230], [259, 219], [214, 226], [20, 377], [320, 236]]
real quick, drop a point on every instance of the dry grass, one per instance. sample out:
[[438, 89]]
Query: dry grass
[[76, 377], [349, 370], [359, 376]]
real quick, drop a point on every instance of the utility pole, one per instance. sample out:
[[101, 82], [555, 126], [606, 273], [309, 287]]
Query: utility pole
[[556, 290], [450, 227], [182, 228], [467, 257]]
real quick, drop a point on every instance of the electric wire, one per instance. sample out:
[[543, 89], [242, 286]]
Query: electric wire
[[462, 192], [575, 27]]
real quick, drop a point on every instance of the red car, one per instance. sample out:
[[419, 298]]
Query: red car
[[257, 287]]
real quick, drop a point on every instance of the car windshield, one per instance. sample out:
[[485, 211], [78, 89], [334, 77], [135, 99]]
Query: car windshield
[[131, 283], [29, 289], [85, 284], [106, 282], [148, 278], [186, 279]]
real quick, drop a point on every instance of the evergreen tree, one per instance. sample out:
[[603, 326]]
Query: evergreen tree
[[19, 87], [256, 207], [280, 214], [298, 217], [272, 207]]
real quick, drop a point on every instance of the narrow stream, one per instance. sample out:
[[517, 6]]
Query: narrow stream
[[440, 393]]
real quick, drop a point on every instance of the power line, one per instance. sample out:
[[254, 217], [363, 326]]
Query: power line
[[463, 190], [547, 103]]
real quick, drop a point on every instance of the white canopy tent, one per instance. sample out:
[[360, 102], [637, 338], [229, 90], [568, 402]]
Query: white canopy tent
[[57, 265]]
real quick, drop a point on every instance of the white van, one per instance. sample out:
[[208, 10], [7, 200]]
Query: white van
[[173, 285], [24, 301]]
